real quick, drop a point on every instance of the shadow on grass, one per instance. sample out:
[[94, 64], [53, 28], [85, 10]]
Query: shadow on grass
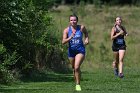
[[48, 77]]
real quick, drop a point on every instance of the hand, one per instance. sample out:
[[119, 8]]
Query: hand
[[118, 27], [72, 35], [126, 34], [121, 32], [86, 42]]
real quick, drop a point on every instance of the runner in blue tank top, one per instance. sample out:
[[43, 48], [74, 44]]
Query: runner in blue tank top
[[76, 43], [118, 46], [73, 35]]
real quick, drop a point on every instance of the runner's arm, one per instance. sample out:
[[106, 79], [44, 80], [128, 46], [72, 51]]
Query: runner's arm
[[65, 36], [113, 35], [86, 41]]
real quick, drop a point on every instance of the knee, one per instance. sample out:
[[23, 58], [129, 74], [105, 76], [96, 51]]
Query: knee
[[115, 62], [120, 60], [77, 68]]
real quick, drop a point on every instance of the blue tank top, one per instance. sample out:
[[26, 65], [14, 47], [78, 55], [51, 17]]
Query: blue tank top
[[77, 40]]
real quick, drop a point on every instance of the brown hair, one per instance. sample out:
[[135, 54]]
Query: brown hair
[[74, 15], [118, 17]]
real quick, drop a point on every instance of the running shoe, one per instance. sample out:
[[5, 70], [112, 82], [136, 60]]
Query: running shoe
[[116, 71], [78, 88], [121, 75]]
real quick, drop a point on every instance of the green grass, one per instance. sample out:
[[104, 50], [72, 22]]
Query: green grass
[[99, 22], [97, 76], [96, 81]]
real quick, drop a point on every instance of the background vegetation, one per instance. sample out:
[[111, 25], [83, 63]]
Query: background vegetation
[[27, 39], [99, 22], [30, 43]]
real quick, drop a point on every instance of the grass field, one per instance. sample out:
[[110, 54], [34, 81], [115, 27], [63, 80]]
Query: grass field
[[99, 22], [97, 76], [96, 81]]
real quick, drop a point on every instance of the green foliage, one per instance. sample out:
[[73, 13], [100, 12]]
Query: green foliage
[[98, 3], [27, 28], [43, 4], [81, 9], [10, 60], [6, 75], [2, 49]]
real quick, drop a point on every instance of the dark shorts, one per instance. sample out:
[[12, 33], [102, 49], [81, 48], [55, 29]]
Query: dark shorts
[[72, 52], [117, 48]]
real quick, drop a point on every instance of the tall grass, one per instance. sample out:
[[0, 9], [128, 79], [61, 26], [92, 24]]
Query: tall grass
[[99, 22]]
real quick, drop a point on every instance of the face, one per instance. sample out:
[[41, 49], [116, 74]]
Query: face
[[73, 21], [118, 21]]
